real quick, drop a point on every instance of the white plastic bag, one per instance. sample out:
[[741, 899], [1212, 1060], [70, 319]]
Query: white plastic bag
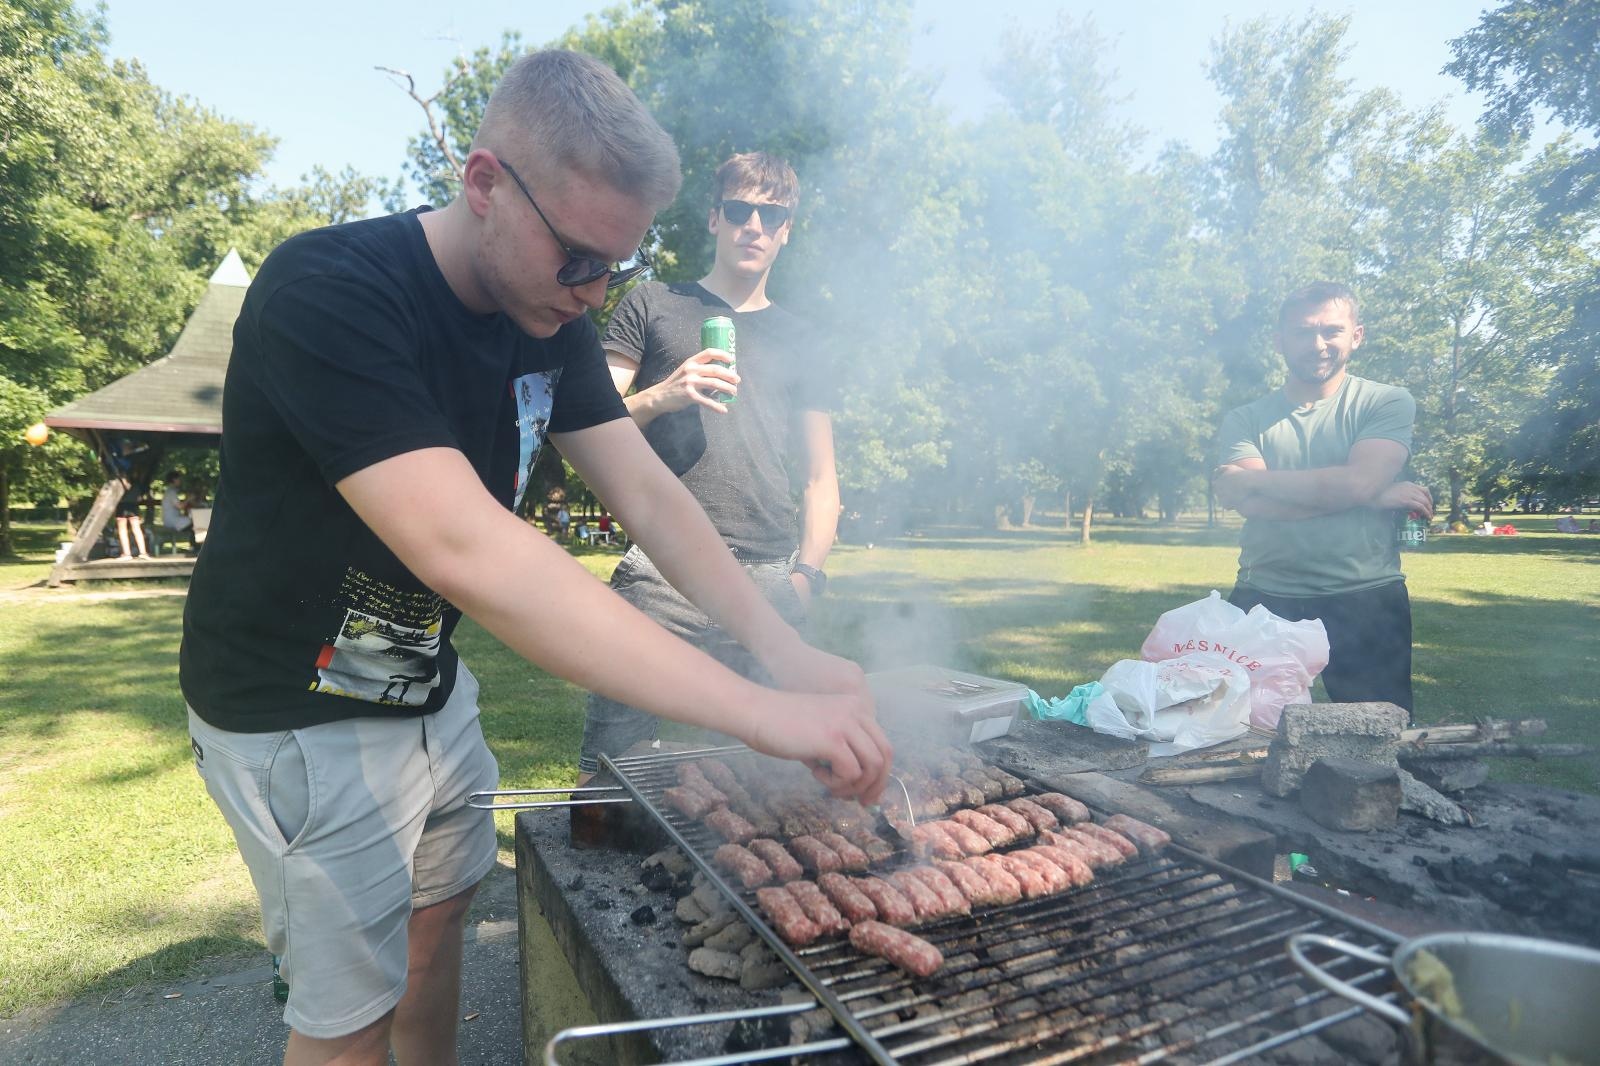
[[1281, 658], [1177, 705]]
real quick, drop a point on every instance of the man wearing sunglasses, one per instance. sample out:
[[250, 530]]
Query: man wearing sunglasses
[[740, 457], [391, 383]]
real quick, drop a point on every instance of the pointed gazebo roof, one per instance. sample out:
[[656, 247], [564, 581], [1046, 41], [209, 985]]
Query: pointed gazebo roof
[[180, 393]]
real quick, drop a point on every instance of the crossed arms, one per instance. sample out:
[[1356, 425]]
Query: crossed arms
[[1366, 479]]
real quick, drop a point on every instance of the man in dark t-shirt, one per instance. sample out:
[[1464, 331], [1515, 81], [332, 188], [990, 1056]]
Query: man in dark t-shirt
[[737, 436], [390, 387]]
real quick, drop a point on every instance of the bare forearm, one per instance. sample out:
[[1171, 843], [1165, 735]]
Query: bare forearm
[[819, 522], [643, 407], [1254, 506], [673, 530]]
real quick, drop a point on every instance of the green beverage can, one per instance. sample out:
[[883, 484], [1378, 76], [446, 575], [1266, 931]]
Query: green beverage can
[[717, 333], [1413, 532]]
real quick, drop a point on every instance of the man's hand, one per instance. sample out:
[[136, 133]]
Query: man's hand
[[799, 667], [694, 381], [1231, 485], [1405, 496], [834, 735], [802, 588]]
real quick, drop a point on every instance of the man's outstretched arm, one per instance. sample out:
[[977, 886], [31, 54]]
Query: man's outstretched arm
[[430, 509]]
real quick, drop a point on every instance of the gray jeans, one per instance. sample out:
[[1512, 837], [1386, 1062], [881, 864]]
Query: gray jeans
[[610, 727]]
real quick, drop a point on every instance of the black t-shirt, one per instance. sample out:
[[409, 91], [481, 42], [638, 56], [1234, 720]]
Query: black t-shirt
[[735, 464], [351, 349]]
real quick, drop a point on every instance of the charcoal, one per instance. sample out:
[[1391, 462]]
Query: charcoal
[[645, 915], [731, 937]]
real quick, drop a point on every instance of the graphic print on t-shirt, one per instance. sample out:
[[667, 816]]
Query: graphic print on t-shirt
[[387, 647], [535, 394]]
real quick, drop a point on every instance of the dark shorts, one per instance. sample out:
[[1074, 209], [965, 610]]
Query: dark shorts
[[1369, 638], [609, 727]]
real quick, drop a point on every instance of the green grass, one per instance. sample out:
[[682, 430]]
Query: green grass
[[116, 869]]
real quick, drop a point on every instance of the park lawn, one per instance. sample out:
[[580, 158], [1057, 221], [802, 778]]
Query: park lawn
[[115, 869]]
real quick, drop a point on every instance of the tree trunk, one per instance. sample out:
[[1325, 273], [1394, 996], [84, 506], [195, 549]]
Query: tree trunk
[[1088, 517], [1487, 517], [1211, 509], [1458, 488], [1066, 510], [1027, 511], [5, 513], [1002, 517]]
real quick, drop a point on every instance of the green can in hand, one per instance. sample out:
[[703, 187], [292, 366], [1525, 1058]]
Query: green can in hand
[[717, 333], [1413, 532]]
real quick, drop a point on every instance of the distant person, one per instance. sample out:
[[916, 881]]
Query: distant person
[[563, 520], [1314, 468], [389, 393], [174, 510], [604, 524], [130, 522], [1567, 524], [738, 437]]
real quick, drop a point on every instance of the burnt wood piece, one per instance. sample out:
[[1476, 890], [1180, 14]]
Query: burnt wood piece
[[1224, 840]]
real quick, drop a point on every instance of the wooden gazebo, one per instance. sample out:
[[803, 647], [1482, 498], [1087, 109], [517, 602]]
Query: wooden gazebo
[[175, 401]]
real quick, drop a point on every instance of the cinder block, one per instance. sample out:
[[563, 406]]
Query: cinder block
[[1451, 775], [1351, 794], [1303, 721]]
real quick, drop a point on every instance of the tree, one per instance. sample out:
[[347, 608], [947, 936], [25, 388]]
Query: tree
[[1541, 54]]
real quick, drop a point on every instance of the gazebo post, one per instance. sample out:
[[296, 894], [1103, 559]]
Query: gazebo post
[[94, 523]]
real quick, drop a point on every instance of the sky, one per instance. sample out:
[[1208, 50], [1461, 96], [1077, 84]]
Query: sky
[[304, 72]]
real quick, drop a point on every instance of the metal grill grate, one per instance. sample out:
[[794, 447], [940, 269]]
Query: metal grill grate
[[1172, 959]]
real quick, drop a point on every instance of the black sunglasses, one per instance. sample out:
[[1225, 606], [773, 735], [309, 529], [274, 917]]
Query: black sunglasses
[[771, 217], [583, 269]]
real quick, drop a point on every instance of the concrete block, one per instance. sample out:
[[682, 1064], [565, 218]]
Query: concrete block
[[1422, 799], [1351, 794], [1451, 775], [1303, 721]]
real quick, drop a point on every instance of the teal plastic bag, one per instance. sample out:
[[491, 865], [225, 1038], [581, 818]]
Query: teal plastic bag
[[1072, 708]]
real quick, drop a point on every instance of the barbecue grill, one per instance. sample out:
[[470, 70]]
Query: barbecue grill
[[1175, 958]]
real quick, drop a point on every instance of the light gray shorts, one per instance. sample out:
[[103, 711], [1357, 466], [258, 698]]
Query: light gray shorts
[[347, 828]]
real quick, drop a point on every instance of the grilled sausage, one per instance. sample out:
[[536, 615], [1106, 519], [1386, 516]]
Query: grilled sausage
[[892, 905], [1054, 876], [922, 898], [1111, 837], [778, 860], [730, 826], [877, 848], [815, 855], [815, 903], [1101, 854], [855, 860], [951, 899], [1010, 784], [905, 950], [1077, 869], [1037, 816], [1028, 876], [1069, 810], [1147, 837], [854, 904], [929, 839], [1004, 887], [970, 842], [972, 884], [717, 772], [691, 776], [1071, 845], [787, 916], [744, 865], [1021, 828], [688, 802], [996, 834]]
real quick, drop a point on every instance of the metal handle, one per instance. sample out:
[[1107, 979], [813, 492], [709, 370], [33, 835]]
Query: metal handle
[[1333, 984], [491, 795], [590, 1032]]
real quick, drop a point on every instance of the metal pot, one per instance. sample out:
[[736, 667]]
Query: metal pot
[[1523, 1001]]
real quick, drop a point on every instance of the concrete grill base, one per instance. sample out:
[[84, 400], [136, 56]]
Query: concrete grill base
[[626, 968]]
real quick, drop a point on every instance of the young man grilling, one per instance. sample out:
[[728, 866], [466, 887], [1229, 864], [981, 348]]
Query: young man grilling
[[736, 436], [1313, 467], [391, 383]]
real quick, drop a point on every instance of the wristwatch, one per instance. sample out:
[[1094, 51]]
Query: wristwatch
[[817, 579]]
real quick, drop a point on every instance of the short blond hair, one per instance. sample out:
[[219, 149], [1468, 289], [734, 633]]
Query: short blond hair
[[574, 114]]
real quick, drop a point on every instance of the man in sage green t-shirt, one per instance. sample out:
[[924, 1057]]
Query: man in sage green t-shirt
[[1313, 467]]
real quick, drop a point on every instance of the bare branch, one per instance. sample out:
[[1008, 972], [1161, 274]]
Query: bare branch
[[434, 128]]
